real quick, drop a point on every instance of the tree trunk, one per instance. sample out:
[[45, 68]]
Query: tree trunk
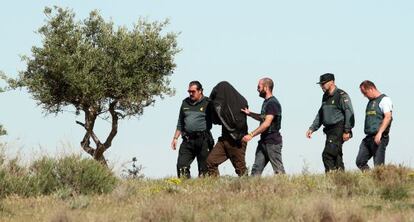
[[90, 118], [99, 154]]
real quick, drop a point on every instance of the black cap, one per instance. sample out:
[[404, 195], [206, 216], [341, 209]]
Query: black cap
[[326, 78]]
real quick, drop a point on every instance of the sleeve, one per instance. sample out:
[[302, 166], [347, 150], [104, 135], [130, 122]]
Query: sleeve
[[317, 122], [210, 114], [386, 105], [272, 109], [346, 106], [180, 122]]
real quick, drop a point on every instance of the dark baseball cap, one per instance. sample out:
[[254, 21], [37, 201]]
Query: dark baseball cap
[[326, 78]]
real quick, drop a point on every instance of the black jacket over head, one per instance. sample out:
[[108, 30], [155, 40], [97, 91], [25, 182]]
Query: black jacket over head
[[227, 104]]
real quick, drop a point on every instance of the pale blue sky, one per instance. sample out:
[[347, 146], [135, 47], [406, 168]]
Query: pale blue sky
[[292, 42]]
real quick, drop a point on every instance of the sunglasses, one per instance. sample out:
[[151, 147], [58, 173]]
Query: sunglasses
[[191, 91]]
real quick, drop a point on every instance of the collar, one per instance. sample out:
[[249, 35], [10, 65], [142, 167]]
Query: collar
[[269, 98]]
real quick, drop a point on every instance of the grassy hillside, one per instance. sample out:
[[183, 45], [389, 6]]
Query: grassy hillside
[[383, 194]]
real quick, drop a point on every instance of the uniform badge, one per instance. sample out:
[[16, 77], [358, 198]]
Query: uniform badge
[[201, 109]]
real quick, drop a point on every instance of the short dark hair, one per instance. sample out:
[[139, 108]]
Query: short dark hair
[[196, 83], [367, 85], [268, 82]]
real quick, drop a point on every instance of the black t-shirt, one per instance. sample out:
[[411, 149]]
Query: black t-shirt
[[271, 106]]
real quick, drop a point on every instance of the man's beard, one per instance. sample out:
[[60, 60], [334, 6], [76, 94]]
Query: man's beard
[[262, 94]]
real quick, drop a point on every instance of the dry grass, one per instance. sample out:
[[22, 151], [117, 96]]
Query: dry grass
[[351, 196]]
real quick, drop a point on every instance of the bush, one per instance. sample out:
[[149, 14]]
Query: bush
[[346, 183], [15, 179], [2, 131], [85, 176], [48, 175], [45, 175], [393, 181]]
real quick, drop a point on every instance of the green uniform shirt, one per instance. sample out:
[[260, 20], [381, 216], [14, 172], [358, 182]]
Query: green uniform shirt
[[194, 116], [335, 108]]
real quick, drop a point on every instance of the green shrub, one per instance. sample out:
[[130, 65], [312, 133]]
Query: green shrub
[[15, 179], [399, 192], [44, 175], [84, 176], [47, 175], [392, 181]]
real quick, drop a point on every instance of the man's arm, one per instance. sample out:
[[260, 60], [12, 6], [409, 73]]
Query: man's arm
[[349, 117], [175, 138], [255, 116], [384, 124], [180, 125], [263, 127], [348, 110], [317, 123]]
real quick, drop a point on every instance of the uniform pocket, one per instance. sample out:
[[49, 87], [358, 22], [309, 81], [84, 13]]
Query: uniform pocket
[[331, 148]]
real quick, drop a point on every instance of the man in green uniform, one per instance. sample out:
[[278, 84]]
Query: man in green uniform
[[378, 118], [337, 116], [194, 124]]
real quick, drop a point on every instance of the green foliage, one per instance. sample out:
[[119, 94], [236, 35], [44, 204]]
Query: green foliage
[[399, 192], [65, 176], [309, 197], [98, 69], [84, 176], [45, 175], [2, 131], [90, 63]]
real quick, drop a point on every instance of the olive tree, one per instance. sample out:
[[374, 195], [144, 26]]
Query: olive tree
[[100, 70]]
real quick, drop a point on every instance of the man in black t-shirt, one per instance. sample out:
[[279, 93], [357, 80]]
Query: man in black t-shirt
[[270, 145]]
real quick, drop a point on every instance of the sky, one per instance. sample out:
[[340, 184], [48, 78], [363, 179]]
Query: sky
[[292, 42]]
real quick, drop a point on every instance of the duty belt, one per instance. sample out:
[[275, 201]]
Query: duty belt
[[194, 135]]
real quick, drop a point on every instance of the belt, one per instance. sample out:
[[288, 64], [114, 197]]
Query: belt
[[196, 134], [385, 135]]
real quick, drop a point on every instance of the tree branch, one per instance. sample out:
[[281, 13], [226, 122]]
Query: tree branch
[[114, 129], [90, 118], [82, 124], [85, 144], [95, 139]]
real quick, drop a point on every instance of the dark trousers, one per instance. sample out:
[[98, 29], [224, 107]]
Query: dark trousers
[[332, 153], [368, 149], [227, 149], [190, 148]]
